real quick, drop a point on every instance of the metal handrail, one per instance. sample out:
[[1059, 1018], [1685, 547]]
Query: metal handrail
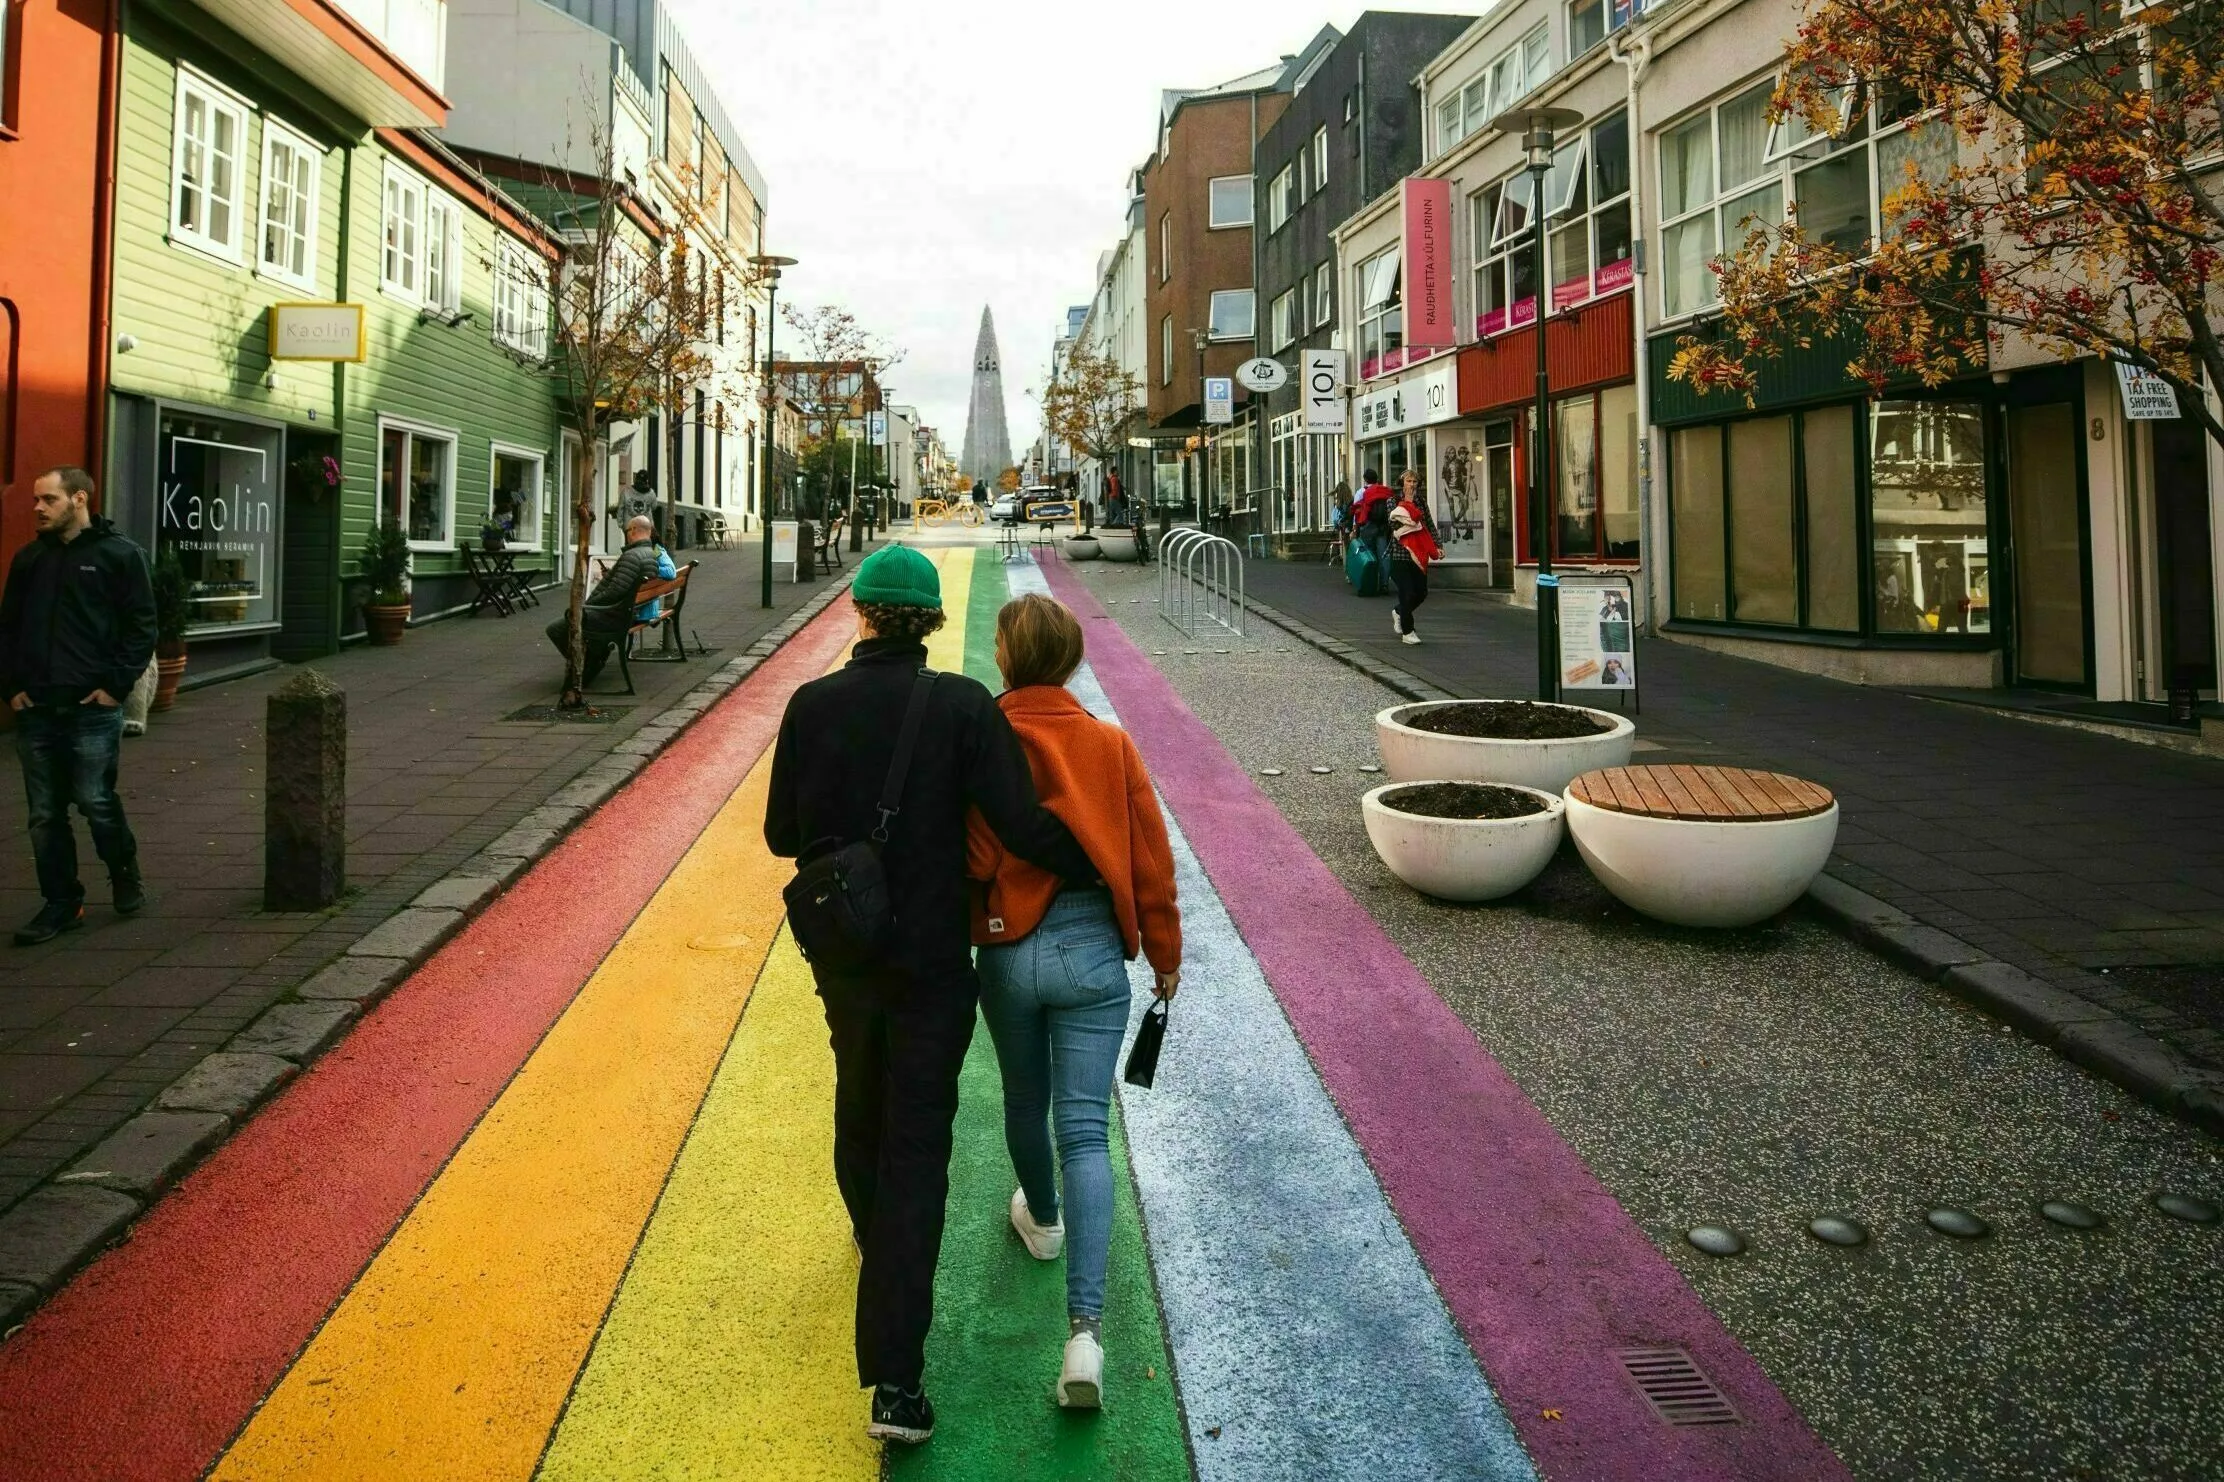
[[1200, 576]]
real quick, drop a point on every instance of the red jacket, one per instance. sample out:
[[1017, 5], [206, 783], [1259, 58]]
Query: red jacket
[[1365, 503], [1410, 528]]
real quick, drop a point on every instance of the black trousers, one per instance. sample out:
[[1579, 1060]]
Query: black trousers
[[899, 1043], [595, 643], [1413, 590]]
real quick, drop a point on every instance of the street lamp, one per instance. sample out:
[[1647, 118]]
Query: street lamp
[[770, 266], [1538, 125]]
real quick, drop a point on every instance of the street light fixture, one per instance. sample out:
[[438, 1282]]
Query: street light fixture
[[770, 266], [1538, 125]]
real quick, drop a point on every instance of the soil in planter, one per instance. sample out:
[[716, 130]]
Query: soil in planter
[[1463, 800], [1508, 720]]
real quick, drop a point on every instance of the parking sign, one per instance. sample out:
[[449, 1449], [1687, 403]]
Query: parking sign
[[1220, 399]]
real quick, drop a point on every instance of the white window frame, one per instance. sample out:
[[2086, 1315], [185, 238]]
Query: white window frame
[[1377, 298], [443, 241], [276, 137], [215, 100], [1213, 219], [520, 298], [1165, 245], [1212, 315], [1166, 350], [401, 236], [453, 439], [1282, 317], [539, 459], [1320, 159], [1324, 293], [1278, 198]]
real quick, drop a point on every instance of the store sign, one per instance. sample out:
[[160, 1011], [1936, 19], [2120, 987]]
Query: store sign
[[1417, 401], [1324, 391], [1263, 375], [317, 332], [216, 510], [1220, 399], [1597, 633], [2147, 397], [1429, 323]]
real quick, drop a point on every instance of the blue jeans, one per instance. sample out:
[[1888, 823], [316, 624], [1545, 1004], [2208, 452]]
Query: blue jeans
[[1056, 1005], [69, 756]]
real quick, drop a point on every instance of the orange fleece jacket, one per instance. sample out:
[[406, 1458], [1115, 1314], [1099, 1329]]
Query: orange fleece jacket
[[1090, 775]]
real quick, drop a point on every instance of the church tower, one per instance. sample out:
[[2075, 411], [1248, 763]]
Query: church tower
[[988, 442]]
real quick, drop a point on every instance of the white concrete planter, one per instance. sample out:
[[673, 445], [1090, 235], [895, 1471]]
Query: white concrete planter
[[1463, 859], [1082, 548], [1116, 545], [1703, 874], [1410, 755]]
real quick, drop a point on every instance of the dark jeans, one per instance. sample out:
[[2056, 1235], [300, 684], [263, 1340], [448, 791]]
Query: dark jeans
[[595, 642], [898, 1046], [69, 756], [1413, 590]]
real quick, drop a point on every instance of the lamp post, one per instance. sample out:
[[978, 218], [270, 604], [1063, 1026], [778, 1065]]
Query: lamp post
[[770, 266], [1538, 126]]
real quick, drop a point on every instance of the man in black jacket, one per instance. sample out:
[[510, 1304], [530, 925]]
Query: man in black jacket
[[608, 611], [76, 630], [900, 1031]]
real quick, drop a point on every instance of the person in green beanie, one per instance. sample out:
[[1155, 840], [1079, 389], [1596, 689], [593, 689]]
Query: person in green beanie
[[901, 1026]]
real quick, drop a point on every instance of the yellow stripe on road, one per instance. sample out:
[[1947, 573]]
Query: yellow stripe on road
[[452, 1355]]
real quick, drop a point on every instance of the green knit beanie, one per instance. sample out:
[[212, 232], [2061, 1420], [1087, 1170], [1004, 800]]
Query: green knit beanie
[[897, 576]]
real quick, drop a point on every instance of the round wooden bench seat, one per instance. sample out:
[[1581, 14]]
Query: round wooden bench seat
[[1702, 794]]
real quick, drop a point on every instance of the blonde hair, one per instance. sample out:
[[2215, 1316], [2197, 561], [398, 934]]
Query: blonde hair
[[1039, 641]]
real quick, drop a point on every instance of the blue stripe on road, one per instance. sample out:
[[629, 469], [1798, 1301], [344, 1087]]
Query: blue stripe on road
[[1308, 1340]]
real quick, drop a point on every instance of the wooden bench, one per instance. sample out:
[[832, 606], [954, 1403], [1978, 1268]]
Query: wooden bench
[[1702, 794], [674, 596], [826, 546]]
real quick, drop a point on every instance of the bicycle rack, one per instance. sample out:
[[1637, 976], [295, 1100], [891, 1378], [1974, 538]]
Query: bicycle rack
[[1200, 578]]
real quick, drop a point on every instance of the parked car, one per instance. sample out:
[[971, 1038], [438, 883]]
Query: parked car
[[1005, 508]]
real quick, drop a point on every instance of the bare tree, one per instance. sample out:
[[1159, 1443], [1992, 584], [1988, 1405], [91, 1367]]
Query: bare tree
[[1090, 405], [826, 375]]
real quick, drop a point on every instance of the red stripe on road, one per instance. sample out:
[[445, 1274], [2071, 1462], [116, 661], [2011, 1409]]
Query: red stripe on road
[[148, 1364]]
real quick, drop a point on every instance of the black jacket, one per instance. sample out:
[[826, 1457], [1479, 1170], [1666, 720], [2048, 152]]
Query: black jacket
[[611, 604], [76, 617], [836, 742]]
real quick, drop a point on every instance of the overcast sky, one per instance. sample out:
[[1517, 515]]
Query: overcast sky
[[926, 157]]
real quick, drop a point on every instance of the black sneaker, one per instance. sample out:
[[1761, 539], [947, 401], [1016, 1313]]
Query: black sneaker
[[130, 894], [900, 1415], [50, 923]]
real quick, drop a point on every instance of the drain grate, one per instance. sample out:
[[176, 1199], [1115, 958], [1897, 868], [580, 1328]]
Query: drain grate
[[1674, 1386]]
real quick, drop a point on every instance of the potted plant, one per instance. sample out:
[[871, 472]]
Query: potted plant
[[1463, 841], [385, 561], [1524, 743], [492, 537], [1116, 544], [1083, 548], [170, 616]]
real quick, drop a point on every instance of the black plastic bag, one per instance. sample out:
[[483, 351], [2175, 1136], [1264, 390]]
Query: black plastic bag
[[1142, 1057]]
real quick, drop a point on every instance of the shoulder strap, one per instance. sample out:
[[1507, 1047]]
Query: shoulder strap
[[891, 793]]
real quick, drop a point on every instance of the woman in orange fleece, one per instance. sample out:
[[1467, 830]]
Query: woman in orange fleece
[[1053, 963]]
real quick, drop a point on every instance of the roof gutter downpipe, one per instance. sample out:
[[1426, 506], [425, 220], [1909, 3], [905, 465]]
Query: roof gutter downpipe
[[1635, 54]]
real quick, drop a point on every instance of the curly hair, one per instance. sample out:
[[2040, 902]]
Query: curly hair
[[888, 620]]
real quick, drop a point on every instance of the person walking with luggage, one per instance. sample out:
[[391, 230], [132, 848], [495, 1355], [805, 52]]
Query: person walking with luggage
[[885, 758], [1053, 964], [76, 631], [1370, 536], [1412, 547]]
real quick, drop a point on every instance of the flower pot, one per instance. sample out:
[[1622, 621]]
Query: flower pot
[[1463, 859], [385, 624], [1703, 874], [1116, 545], [167, 672], [1411, 755], [1082, 548]]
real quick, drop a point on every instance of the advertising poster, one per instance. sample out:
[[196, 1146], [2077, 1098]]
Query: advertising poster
[[1598, 649]]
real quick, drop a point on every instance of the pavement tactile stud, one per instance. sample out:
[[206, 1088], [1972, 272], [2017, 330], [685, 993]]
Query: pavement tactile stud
[[1959, 1223], [1838, 1229], [1270, 771], [1716, 1240], [2072, 1215], [2188, 1208]]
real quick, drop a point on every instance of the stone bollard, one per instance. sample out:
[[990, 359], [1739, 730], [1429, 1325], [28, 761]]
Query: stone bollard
[[305, 795]]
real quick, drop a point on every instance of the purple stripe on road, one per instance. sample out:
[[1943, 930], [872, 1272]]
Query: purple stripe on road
[[1543, 1270]]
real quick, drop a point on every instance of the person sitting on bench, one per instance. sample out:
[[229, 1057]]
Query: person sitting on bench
[[608, 613]]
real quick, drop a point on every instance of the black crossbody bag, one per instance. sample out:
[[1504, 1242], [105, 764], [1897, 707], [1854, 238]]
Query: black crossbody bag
[[838, 904]]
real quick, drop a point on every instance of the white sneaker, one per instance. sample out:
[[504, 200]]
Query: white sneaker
[[1081, 1381], [1043, 1242], [1412, 638], [1395, 625]]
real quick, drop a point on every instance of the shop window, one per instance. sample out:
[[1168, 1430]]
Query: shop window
[[514, 498], [217, 512], [1833, 552], [1594, 487], [1764, 577], [210, 155], [289, 236], [1931, 563], [416, 480], [1575, 456], [1695, 523], [1618, 472]]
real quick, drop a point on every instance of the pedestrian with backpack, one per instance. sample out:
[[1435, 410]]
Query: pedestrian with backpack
[[1370, 535], [874, 774]]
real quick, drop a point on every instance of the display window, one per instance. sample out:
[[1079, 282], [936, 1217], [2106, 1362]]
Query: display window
[[217, 514]]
